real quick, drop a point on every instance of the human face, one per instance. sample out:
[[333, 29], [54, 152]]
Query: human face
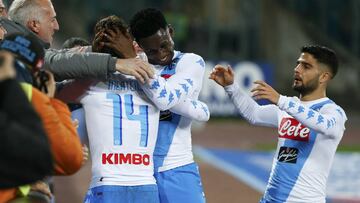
[[306, 74], [159, 47], [47, 25], [3, 12]]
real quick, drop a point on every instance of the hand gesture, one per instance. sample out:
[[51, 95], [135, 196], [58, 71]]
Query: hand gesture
[[118, 42], [223, 76], [138, 68], [97, 44], [121, 43], [265, 91]]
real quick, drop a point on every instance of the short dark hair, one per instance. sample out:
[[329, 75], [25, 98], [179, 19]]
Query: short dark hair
[[112, 22], [323, 55], [75, 41], [146, 23]]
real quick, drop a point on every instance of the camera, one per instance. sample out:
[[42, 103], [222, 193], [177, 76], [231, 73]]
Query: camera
[[40, 81]]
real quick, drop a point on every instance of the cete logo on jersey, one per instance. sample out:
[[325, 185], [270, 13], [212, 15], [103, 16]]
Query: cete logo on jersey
[[290, 128], [288, 155], [120, 158]]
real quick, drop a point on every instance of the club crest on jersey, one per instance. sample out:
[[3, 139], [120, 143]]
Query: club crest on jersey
[[120, 158], [288, 155], [290, 128]]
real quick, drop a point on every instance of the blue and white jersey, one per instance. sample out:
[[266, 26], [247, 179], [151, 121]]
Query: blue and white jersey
[[122, 119], [174, 147], [308, 136], [122, 126]]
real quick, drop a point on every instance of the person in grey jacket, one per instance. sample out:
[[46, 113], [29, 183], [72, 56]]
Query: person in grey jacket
[[40, 18]]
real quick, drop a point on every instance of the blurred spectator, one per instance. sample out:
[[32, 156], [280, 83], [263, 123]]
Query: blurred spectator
[[75, 42], [77, 111], [25, 153], [39, 16], [3, 12]]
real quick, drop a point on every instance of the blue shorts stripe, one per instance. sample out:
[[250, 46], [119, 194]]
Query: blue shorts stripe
[[123, 194]]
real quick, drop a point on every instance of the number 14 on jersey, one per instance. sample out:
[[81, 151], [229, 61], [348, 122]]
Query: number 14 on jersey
[[125, 102]]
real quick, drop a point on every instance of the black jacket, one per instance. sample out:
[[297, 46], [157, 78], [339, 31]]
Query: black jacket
[[25, 154]]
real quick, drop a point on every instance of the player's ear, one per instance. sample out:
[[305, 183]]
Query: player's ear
[[171, 30], [325, 77]]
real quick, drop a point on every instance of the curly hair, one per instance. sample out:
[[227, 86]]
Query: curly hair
[[112, 22], [146, 23]]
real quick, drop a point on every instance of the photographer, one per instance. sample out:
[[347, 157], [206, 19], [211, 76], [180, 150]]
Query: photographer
[[65, 144], [25, 153]]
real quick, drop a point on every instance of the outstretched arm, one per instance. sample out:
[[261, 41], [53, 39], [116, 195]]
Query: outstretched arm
[[81, 63], [254, 113], [70, 64]]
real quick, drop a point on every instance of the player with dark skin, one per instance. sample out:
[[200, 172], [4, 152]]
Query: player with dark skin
[[159, 47], [173, 155]]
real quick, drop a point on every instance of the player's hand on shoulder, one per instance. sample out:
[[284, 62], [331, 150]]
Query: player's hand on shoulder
[[222, 75], [136, 67]]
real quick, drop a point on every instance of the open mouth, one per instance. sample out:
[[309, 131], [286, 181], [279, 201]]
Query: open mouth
[[297, 78], [165, 58]]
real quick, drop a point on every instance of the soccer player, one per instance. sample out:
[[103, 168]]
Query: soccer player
[[122, 119], [176, 173], [310, 127]]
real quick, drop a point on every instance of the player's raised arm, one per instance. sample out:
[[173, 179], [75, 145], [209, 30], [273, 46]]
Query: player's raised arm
[[70, 64], [254, 113]]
